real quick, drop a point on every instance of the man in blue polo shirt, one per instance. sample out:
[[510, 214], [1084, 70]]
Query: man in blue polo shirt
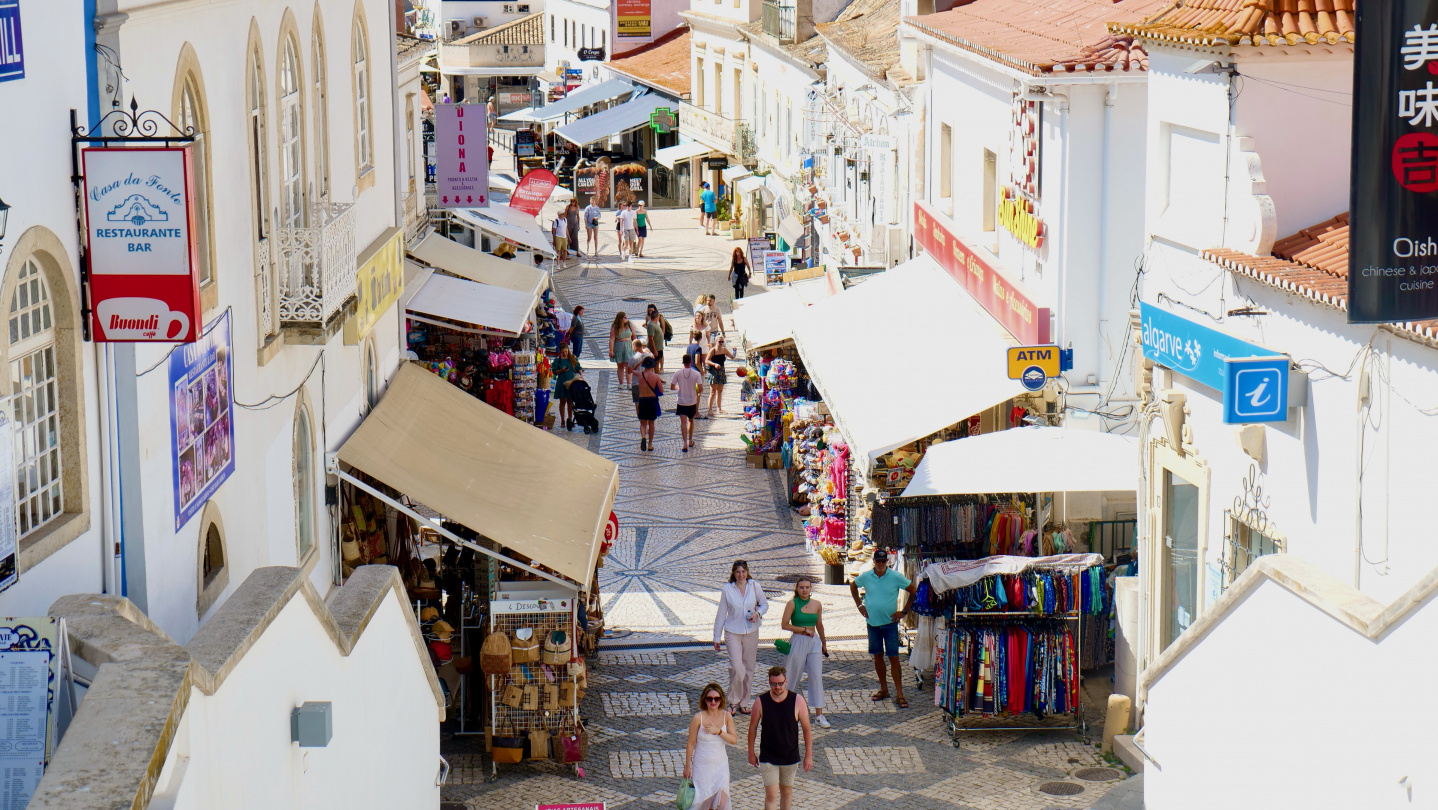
[[709, 211], [880, 606]]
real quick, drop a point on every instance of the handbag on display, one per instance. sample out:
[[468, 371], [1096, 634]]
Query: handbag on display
[[524, 647], [511, 696], [580, 673], [551, 697], [568, 695], [507, 748], [531, 698], [494, 658], [539, 743], [557, 648], [571, 744]]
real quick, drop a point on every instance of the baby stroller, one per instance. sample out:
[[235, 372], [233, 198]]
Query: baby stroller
[[583, 401]]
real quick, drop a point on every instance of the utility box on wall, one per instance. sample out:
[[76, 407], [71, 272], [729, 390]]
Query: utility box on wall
[[311, 725]]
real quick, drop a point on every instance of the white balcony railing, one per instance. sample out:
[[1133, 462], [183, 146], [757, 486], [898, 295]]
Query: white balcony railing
[[317, 266], [728, 135]]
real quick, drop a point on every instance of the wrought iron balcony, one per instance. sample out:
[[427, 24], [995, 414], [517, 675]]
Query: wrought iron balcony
[[317, 266], [777, 19], [727, 135]]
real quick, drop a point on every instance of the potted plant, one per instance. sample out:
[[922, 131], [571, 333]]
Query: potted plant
[[724, 214], [739, 230]]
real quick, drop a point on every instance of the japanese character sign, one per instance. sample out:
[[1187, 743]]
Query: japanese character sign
[[1393, 226]]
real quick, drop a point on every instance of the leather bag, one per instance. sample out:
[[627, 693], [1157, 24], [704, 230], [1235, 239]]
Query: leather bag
[[507, 748], [494, 655], [539, 743], [571, 744], [557, 648], [511, 696], [524, 650]]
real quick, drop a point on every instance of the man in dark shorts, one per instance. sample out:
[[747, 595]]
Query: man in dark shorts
[[880, 606], [781, 713], [685, 383]]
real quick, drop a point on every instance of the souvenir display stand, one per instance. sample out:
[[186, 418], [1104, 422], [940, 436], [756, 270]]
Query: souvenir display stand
[[773, 382], [501, 370]]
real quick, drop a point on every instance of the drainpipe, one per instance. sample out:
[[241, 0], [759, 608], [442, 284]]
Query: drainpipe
[[1103, 197]]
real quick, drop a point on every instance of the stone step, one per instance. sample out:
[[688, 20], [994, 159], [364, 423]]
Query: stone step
[[1128, 753]]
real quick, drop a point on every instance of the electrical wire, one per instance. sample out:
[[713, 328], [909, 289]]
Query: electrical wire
[[205, 333], [275, 399]]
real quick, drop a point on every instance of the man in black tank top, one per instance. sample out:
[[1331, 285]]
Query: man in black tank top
[[780, 713]]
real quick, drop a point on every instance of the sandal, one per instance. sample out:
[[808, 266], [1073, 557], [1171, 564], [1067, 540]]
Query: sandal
[[878, 696], [902, 703]]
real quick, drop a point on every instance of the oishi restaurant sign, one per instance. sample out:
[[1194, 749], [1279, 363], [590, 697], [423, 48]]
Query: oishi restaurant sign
[[1393, 231], [139, 237], [988, 285]]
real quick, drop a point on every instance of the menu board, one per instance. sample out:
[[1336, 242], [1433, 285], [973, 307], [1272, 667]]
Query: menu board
[[27, 690]]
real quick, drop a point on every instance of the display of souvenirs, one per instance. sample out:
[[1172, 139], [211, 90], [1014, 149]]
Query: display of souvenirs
[[827, 523], [497, 370], [548, 329]]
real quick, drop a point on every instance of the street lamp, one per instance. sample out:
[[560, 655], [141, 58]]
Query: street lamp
[[4, 215]]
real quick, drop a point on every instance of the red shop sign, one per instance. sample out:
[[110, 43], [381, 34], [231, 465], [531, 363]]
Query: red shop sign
[[533, 191], [988, 285], [140, 242]]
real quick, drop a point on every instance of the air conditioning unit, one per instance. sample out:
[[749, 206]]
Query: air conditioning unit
[[478, 22], [455, 26]]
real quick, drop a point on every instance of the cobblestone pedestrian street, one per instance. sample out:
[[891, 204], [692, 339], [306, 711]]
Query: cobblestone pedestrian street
[[684, 517]]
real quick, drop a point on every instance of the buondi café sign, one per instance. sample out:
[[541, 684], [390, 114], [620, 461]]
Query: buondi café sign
[[139, 239]]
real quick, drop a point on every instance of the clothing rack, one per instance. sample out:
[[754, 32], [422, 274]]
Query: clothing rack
[[1079, 725]]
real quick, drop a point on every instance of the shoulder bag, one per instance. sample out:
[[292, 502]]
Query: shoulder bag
[[507, 748], [494, 654]]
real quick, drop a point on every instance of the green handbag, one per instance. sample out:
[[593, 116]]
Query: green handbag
[[684, 799], [782, 645]]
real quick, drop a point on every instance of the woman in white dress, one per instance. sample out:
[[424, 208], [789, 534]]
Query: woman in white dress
[[705, 759]]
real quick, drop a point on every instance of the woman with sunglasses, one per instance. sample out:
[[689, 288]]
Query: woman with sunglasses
[[705, 760], [741, 610]]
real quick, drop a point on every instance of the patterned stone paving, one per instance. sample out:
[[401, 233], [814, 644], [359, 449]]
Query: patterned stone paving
[[684, 517]]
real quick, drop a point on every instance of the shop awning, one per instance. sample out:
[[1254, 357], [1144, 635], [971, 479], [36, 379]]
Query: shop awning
[[735, 172], [751, 184], [1029, 459], [499, 223], [767, 319], [791, 229], [617, 120], [902, 356], [583, 97], [491, 308], [670, 155], [533, 492], [476, 265]]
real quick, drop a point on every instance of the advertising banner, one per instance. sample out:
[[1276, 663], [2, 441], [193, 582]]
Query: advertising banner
[[776, 264], [29, 684], [758, 246], [533, 191], [461, 172], [378, 284], [1393, 225], [631, 183], [9, 541], [524, 143], [12, 44], [591, 184], [633, 19], [139, 238], [202, 435], [988, 285]]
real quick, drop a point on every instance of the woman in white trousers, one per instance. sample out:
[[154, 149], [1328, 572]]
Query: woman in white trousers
[[741, 610], [804, 618]]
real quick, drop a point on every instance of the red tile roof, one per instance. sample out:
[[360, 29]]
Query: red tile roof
[[1246, 22], [1312, 263], [663, 63], [523, 31], [1044, 36]]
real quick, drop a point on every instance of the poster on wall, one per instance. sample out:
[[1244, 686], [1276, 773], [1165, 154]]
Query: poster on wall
[[591, 184], [12, 43], [633, 19], [631, 183], [29, 685], [776, 264], [1393, 227], [461, 171], [202, 431], [9, 539], [139, 239]]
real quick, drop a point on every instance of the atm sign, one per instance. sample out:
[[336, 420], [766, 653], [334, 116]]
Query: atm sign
[[1023, 358]]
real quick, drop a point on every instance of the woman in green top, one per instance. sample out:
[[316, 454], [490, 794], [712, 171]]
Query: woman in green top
[[641, 221], [804, 617], [566, 367]]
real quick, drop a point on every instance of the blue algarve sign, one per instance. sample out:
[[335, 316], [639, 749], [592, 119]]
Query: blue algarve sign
[[12, 45], [1252, 379]]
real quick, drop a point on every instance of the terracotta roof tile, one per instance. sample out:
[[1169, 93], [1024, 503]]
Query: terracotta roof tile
[[663, 63], [523, 31], [1246, 22], [868, 32], [1045, 36]]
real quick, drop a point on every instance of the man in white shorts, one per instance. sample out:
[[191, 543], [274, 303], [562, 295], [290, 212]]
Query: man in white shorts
[[629, 228]]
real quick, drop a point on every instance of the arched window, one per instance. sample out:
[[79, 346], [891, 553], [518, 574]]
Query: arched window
[[259, 159], [291, 133], [304, 484], [364, 155], [35, 406], [193, 117], [212, 564], [371, 375], [322, 119]]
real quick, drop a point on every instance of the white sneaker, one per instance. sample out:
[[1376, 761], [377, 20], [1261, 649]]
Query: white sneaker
[[822, 721]]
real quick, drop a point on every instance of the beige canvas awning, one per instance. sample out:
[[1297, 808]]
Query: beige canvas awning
[[513, 483], [476, 265]]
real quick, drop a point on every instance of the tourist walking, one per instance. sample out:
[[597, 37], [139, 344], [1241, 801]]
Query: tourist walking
[[641, 224], [561, 238], [716, 373], [619, 228], [639, 352], [576, 331], [778, 716], [629, 223], [708, 211], [566, 368], [656, 329], [651, 387], [621, 346], [739, 272], [742, 606], [706, 762], [571, 221], [713, 319], [699, 324], [808, 646], [591, 227], [685, 384], [880, 606]]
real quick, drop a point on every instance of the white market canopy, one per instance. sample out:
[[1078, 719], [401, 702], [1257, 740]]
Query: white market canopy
[[583, 97], [492, 308], [617, 120], [752, 183], [732, 173], [1029, 459], [476, 265], [767, 319], [903, 355], [520, 486], [509, 224], [670, 155]]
